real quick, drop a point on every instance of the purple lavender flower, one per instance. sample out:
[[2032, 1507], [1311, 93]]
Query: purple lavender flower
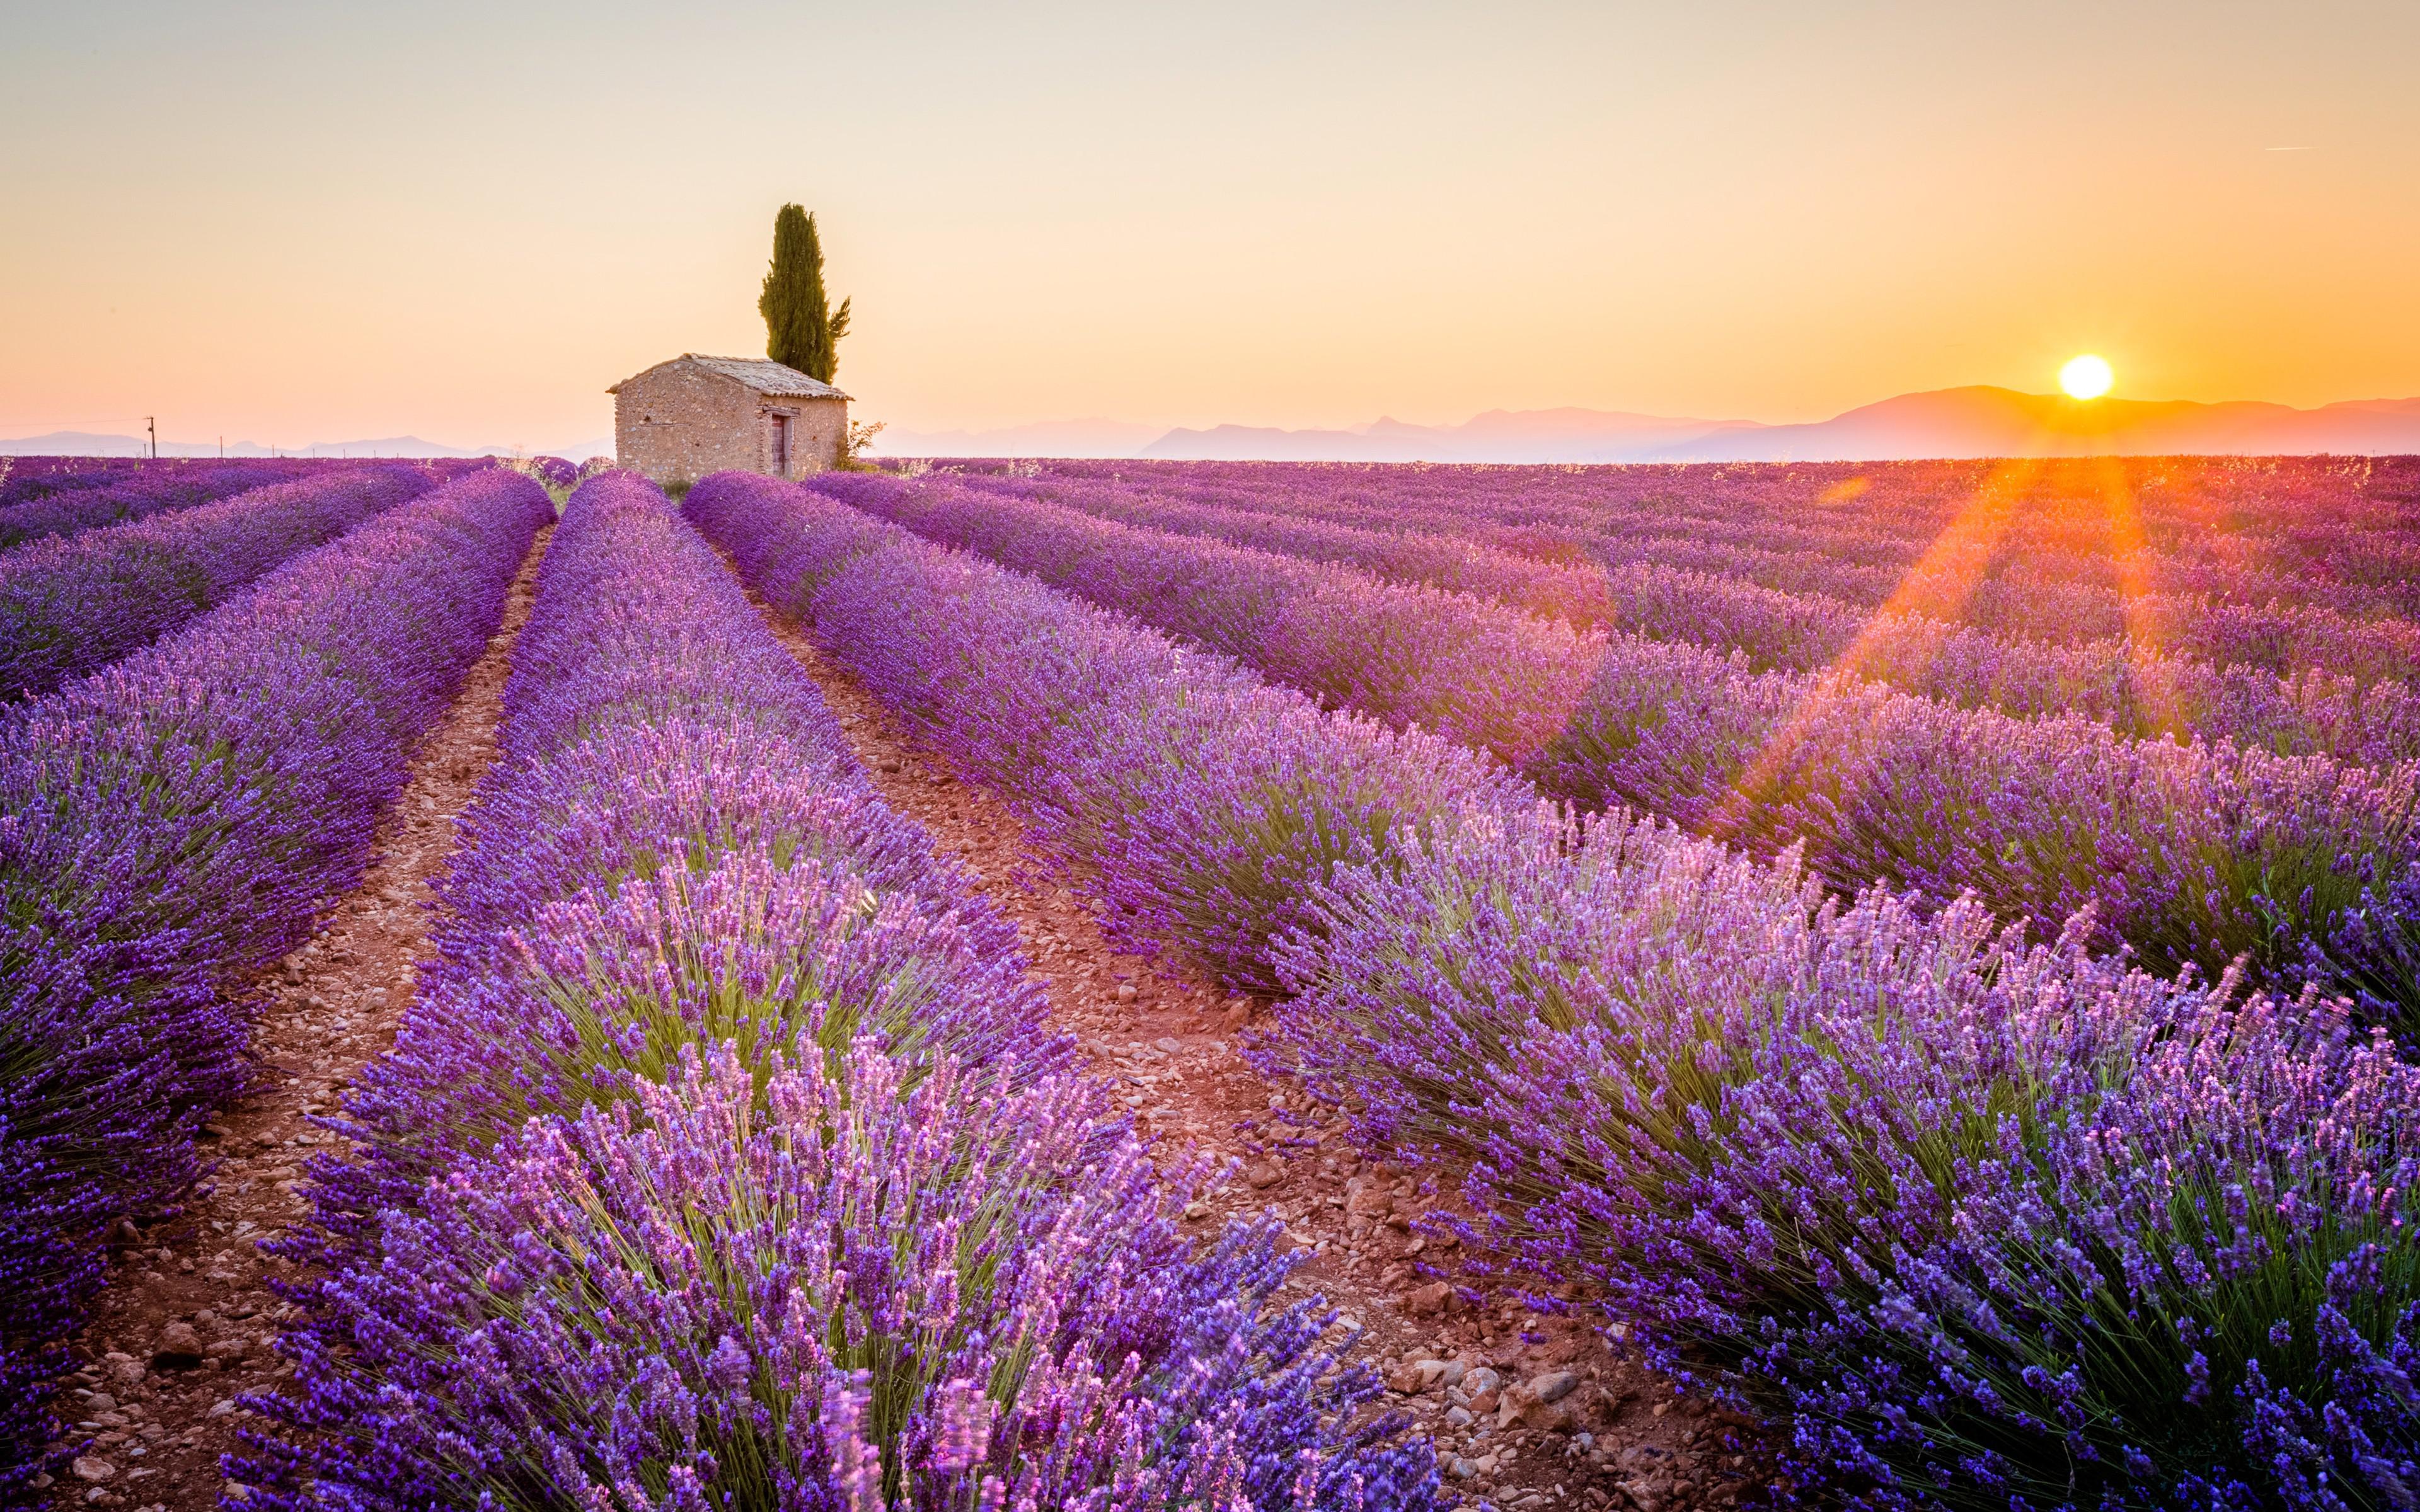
[[1956, 1210], [2194, 855], [171, 825], [1215, 801], [2139, 689], [725, 1157], [1980, 1220], [822, 1288], [36, 502], [70, 606]]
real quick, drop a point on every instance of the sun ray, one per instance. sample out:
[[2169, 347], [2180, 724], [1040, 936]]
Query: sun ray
[[1941, 583], [2128, 556]]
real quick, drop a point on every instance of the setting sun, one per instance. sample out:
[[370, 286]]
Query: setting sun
[[2085, 377]]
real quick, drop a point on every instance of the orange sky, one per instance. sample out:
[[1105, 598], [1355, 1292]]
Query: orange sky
[[291, 222]]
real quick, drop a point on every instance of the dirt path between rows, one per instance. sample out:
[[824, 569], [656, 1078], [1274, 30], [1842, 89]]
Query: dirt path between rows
[[185, 1322], [1529, 1412]]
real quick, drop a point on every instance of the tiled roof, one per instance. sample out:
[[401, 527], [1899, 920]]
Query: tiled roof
[[766, 377]]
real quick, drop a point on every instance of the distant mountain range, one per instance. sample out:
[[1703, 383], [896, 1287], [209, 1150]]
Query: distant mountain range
[[1049, 438], [1988, 421], [85, 443], [1497, 436], [1946, 422]]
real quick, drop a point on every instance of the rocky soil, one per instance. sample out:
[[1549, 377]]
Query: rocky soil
[[185, 1324]]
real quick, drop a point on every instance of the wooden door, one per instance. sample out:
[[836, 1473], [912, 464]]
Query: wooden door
[[780, 446]]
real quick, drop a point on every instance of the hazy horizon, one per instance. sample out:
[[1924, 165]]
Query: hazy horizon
[[1111, 436], [294, 225]]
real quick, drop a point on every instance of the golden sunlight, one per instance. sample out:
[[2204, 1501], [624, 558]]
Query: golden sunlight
[[2087, 377]]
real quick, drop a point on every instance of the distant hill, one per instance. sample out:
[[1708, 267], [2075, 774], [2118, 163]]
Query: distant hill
[[1947, 423], [1566, 435], [1049, 438], [388, 446], [85, 443], [1990, 421]]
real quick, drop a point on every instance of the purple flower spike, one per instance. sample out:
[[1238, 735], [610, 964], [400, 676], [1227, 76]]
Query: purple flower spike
[[70, 607]]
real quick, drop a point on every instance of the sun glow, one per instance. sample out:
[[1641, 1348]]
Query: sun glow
[[2087, 377]]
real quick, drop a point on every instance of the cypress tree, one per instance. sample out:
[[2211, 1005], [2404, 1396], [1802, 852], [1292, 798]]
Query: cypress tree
[[801, 330]]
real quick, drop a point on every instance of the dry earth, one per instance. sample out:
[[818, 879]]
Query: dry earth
[[185, 1322], [1530, 1411]]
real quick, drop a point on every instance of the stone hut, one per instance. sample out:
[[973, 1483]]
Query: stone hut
[[681, 419]]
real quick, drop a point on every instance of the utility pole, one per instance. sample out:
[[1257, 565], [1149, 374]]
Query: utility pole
[[151, 424]]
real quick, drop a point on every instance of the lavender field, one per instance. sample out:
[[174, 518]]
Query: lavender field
[[1921, 962]]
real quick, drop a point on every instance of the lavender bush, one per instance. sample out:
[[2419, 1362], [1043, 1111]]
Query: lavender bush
[[26, 478], [171, 826], [2278, 564], [1215, 801], [70, 606], [118, 492], [725, 1159], [2129, 684], [557, 475], [1984, 1224], [1987, 1226], [834, 1289], [675, 845], [1489, 676], [2054, 549], [2192, 855]]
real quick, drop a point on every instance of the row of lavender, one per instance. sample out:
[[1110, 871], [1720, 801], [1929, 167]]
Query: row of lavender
[[2312, 517], [24, 479], [174, 825], [2123, 681], [726, 1158], [69, 501], [2223, 630], [2075, 538], [2195, 854], [72, 606], [2284, 636], [33, 477], [1984, 1225], [1951, 580]]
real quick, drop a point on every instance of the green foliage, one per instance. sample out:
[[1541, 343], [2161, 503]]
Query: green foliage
[[860, 436], [802, 329]]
